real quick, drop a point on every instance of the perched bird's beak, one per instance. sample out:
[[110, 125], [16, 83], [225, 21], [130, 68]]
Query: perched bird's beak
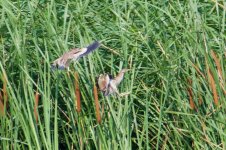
[[125, 70]]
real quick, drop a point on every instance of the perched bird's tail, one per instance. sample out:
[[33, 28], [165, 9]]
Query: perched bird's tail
[[91, 48]]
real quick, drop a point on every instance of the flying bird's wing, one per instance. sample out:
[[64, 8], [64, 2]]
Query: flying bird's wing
[[64, 61], [90, 48], [74, 54]]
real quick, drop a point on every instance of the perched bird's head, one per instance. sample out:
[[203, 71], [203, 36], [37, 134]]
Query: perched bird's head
[[124, 70]]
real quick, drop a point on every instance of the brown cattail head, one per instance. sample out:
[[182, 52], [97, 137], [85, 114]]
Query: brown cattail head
[[2, 111], [190, 94], [36, 105], [98, 117], [213, 86], [77, 92]]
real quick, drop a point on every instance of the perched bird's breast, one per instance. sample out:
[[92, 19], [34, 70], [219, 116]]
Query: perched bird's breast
[[103, 82]]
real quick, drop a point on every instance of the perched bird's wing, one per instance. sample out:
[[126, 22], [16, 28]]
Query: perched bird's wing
[[113, 84], [112, 88], [74, 54], [118, 79]]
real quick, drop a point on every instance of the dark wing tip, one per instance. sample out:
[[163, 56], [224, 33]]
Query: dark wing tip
[[93, 46]]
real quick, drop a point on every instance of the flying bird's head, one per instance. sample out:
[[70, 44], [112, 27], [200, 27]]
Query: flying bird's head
[[55, 66], [58, 64]]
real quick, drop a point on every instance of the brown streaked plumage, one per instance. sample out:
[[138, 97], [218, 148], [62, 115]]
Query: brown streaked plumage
[[74, 54], [108, 85]]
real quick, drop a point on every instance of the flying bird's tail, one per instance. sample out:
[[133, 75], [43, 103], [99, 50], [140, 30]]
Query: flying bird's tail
[[91, 48]]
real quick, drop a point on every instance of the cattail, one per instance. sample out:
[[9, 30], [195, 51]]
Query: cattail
[[219, 70], [77, 92], [192, 104], [213, 86], [200, 99], [217, 62], [97, 104], [2, 112], [36, 105], [108, 85]]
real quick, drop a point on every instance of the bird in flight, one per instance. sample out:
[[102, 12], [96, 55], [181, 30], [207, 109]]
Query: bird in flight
[[108, 85], [74, 54]]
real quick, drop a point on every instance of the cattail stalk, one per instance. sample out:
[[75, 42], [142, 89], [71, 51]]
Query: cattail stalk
[[77, 92], [98, 117]]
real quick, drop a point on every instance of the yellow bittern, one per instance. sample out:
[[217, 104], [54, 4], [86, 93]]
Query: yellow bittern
[[74, 54], [108, 85]]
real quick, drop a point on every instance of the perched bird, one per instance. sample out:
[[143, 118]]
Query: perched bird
[[74, 54], [108, 85]]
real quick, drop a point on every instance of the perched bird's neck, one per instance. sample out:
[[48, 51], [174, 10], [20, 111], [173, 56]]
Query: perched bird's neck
[[119, 78]]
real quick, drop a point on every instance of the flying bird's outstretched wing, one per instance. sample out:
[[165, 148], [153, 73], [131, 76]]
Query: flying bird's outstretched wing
[[74, 54]]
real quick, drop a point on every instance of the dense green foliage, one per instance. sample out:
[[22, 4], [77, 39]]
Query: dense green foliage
[[160, 41]]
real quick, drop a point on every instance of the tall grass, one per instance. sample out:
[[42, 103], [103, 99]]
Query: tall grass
[[164, 43]]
